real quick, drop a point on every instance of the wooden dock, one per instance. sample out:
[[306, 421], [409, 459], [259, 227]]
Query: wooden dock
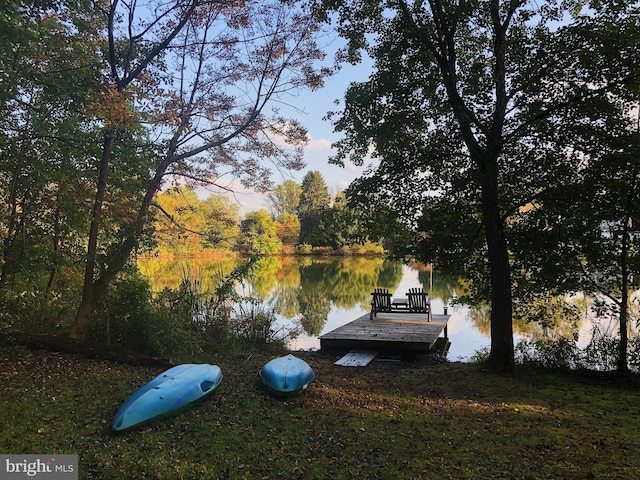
[[402, 333]]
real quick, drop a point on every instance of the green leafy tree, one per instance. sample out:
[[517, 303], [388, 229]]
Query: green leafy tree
[[222, 222], [46, 146], [612, 252], [314, 202], [284, 199], [258, 234], [586, 237], [378, 220], [341, 224], [188, 225], [349, 223], [470, 110]]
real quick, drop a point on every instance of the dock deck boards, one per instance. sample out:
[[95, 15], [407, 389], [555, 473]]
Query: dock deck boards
[[400, 332]]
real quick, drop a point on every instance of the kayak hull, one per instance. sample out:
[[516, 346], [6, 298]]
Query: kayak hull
[[168, 393], [286, 376]]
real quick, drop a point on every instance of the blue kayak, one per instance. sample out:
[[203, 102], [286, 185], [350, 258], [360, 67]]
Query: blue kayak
[[170, 391], [286, 376]]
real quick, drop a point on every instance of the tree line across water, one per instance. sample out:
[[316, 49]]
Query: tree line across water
[[300, 219]]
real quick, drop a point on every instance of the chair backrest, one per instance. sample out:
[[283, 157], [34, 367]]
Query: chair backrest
[[418, 300], [381, 299]]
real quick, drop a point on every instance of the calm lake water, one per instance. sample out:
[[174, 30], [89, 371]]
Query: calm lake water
[[324, 293]]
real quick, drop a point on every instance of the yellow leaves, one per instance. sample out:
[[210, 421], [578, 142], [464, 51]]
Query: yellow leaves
[[113, 107]]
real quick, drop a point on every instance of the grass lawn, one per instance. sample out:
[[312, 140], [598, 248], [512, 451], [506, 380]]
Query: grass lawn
[[389, 420]]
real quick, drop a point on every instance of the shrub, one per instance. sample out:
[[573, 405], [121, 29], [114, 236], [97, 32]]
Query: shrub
[[131, 317], [634, 353], [37, 312], [256, 324], [600, 354], [366, 249], [187, 322], [602, 351], [560, 353], [480, 356]]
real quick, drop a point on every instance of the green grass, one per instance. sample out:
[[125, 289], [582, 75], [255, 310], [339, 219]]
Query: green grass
[[388, 421]]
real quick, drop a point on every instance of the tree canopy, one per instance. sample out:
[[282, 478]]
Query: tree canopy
[[259, 234], [187, 225], [476, 108], [285, 198], [314, 200]]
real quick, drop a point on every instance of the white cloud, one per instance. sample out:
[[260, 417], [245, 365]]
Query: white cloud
[[319, 144]]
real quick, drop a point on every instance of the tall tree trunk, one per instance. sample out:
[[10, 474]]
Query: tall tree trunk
[[501, 356], [97, 289], [7, 266], [623, 365], [90, 295], [485, 158], [93, 291], [55, 245]]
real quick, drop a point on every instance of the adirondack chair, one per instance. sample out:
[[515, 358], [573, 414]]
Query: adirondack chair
[[419, 302], [380, 301]]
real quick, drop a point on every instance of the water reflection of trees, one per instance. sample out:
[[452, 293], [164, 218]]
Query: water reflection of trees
[[292, 286], [440, 285], [170, 273], [325, 282], [536, 317], [310, 286], [540, 318]]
